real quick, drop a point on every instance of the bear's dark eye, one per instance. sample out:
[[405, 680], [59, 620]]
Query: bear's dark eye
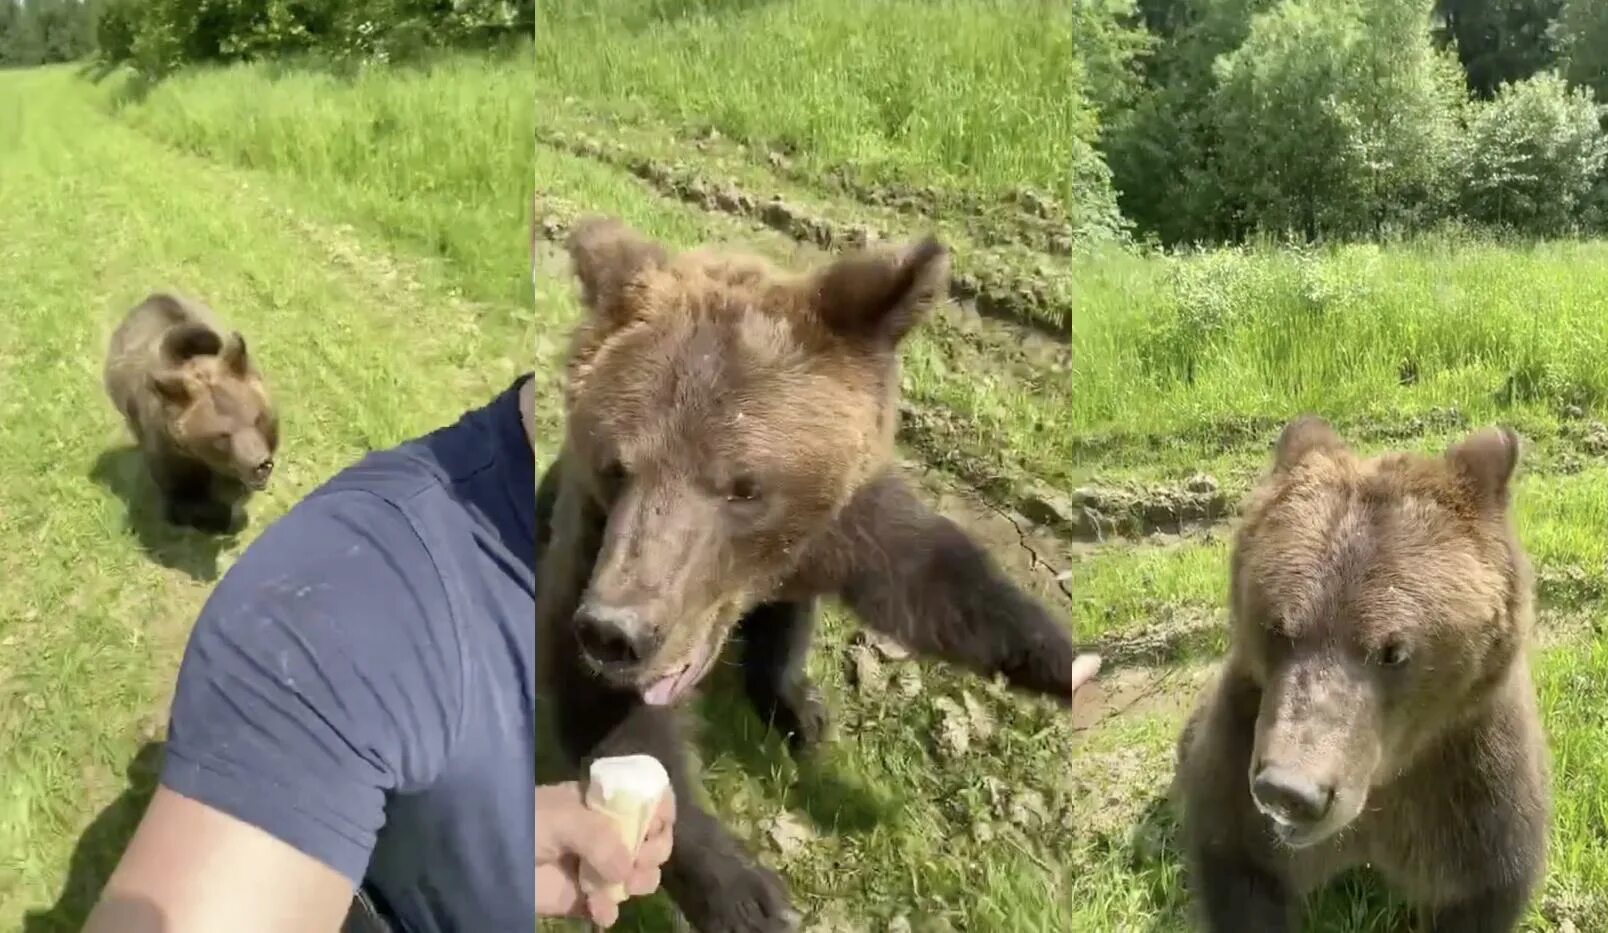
[[742, 489], [1393, 654]]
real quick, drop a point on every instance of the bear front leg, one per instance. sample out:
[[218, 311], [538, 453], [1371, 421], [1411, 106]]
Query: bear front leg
[[186, 491], [917, 576], [1492, 911], [203, 514], [1235, 896], [776, 643], [1224, 838], [713, 882]]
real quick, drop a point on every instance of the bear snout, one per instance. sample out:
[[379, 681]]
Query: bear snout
[[1291, 798], [258, 477], [617, 640]]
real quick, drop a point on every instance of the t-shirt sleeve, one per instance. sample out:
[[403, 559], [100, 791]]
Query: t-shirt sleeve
[[324, 672]]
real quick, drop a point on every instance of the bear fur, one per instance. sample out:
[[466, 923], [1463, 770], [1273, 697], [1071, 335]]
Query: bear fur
[[197, 407], [1375, 706], [727, 461]]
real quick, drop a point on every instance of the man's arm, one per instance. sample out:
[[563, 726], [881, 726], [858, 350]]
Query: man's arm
[[323, 674], [192, 868]]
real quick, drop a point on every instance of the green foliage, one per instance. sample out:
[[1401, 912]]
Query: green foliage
[[1532, 156], [1162, 151], [1500, 41], [157, 36], [1336, 118], [41, 32], [1582, 31], [1110, 42]]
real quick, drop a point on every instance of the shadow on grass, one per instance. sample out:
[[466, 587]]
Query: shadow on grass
[[833, 798], [122, 471], [97, 70], [99, 848]]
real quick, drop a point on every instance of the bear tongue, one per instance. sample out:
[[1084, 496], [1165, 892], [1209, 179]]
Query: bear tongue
[[671, 687]]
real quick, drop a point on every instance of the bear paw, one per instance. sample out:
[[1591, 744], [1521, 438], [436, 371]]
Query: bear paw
[[795, 712], [730, 894]]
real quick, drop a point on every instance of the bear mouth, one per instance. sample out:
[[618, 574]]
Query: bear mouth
[[1292, 836], [671, 687]]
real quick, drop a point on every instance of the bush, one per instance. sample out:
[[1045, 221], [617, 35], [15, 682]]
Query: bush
[[1532, 156], [1337, 118], [157, 36]]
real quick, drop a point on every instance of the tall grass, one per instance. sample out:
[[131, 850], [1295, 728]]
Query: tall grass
[[1356, 328], [981, 97], [438, 157]]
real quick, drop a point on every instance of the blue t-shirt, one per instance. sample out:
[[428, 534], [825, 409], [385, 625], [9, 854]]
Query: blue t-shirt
[[361, 683]]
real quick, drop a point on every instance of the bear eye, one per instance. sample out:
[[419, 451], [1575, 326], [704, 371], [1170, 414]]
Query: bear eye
[[1393, 654], [742, 489]]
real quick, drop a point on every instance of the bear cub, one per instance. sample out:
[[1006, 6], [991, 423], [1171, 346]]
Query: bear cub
[[197, 407], [727, 461], [1375, 706]]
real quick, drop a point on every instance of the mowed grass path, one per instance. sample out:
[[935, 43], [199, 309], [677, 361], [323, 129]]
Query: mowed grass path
[[362, 344]]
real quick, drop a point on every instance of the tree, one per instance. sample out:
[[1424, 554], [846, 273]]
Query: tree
[[1500, 41], [1337, 118], [1533, 156], [1582, 32], [1161, 150], [22, 45], [65, 29]]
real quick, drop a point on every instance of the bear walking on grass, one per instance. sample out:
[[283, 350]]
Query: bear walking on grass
[[197, 408], [727, 460], [1375, 706]]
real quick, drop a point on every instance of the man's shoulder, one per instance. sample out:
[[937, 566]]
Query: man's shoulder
[[345, 550]]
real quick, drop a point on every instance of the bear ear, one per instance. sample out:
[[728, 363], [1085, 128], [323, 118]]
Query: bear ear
[[234, 353], [171, 387], [608, 256], [1486, 461], [185, 341], [1303, 437], [879, 295]]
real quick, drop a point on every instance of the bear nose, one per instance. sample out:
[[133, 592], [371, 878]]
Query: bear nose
[[1291, 797], [260, 472], [614, 637]]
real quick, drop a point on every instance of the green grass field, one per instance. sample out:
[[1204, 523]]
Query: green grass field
[[367, 236], [732, 123]]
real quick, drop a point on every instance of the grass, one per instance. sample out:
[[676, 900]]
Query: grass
[[975, 99], [1179, 364], [375, 314]]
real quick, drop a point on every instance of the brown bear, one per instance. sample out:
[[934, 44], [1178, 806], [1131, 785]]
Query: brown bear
[[1375, 706], [727, 461], [197, 408]]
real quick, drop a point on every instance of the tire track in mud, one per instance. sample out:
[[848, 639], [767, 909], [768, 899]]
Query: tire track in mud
[[1023, 216], [982, 280]]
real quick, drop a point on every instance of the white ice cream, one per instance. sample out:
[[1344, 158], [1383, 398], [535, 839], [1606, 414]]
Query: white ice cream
[[627, 788]]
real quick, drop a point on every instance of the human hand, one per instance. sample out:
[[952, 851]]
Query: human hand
[[1084, 667], [568, 835]]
